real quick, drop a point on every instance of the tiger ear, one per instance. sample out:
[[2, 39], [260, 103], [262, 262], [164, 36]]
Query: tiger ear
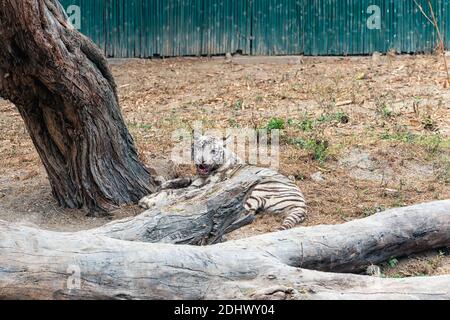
[[197, 135], [227, 140]]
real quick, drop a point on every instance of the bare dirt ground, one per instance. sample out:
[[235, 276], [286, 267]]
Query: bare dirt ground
[[359, 134]]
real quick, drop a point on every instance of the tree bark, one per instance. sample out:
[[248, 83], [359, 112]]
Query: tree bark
[[63, 88], [38, 264]]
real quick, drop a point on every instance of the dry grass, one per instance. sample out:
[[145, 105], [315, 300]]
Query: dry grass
[[388, 104], [385, 124]]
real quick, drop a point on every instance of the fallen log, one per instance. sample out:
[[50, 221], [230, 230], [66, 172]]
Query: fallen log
[[353, 246], [206, 215], [39, 264]]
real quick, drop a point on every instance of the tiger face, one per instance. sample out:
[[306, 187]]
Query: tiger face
[[209, 154]]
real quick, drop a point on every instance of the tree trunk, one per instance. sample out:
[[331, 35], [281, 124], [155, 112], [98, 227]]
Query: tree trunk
[[65, 92], [38, 264]]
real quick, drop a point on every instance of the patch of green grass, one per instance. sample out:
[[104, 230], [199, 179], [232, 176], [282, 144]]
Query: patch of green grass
[[318, 148], [433, 143], [393, 262], [405, 136], [369, 211], [384, 110], [299, 176], [325, 118], [309, 125], [143, 126], [238, 105], [233, 123], [444, 176], [340, 117], [259, 99], [399, 203], [429, 124], [306, 125], [276, 124], [146, 126]]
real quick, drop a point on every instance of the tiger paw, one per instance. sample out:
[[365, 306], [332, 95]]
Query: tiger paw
[[280, 228], [146, 202], [152, 200]]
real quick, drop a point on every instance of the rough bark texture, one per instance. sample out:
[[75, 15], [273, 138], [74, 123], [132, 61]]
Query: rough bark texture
[[38, 264], [62, 86]]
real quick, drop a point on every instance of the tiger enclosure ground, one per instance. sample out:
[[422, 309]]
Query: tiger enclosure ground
[[359, 135]]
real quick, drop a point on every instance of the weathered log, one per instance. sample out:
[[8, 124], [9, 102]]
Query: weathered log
[[38, 264], [63, 88], [353, 246]]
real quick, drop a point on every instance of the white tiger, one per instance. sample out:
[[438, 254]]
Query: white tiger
[[274, 194]]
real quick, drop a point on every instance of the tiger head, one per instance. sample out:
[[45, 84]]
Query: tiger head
[[211, 155]]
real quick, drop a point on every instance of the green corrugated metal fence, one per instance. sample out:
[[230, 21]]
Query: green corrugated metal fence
[[145, 28]]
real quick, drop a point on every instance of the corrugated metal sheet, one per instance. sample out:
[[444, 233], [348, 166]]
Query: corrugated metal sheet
[[277, 27], [335, 27], [144, 28]]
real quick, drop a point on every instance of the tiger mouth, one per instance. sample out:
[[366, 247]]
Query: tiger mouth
[[203, 169]]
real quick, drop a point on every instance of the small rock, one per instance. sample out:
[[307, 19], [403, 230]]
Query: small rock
[[317, 177], [391, 192], [228, 56], [361, 76], [447, 53]]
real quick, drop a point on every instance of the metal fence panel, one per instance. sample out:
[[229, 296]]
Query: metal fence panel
[[144, 28]]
